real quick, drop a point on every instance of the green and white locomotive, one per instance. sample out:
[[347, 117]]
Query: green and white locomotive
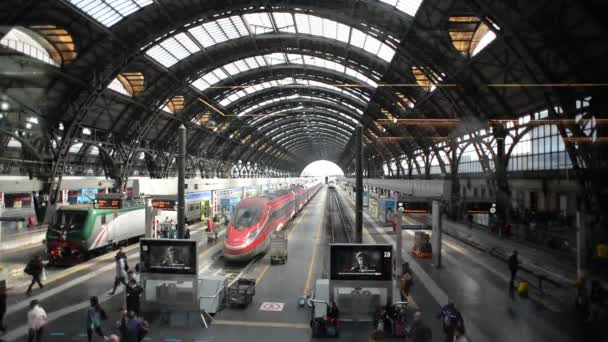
[[77, 230]]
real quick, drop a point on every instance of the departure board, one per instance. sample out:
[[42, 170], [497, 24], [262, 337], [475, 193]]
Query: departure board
[[109, 203], [414, 207], [164, 204]]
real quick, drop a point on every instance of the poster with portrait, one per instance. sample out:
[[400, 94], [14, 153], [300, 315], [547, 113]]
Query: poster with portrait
[[168, 256], [361, 262]]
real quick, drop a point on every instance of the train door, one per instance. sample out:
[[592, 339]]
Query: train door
[[205, 209]]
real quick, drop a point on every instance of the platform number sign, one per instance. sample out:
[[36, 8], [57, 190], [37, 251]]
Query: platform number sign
[[387, 254]]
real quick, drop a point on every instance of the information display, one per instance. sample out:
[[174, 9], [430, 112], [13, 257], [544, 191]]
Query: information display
[[479, 207], [414, 207], [164, 204], [361, 262], [168, 256], [109, 203]]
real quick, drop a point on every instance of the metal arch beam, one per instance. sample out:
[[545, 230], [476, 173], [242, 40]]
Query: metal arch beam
[[324, 137], [255, 76], [259, 96], [315, 118], [287, 133], [284, 141]]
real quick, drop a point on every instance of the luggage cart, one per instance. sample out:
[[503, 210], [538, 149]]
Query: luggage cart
[[240, 293], [278, 247]]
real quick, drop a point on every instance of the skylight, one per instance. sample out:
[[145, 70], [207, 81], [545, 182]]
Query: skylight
[[21, 41], [252, 108], [485, 41], [234, 68], [173, 49], [252, 89], [406, 6], [109, 12]]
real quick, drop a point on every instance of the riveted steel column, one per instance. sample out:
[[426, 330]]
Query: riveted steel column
[[181, 181], [359, 185]]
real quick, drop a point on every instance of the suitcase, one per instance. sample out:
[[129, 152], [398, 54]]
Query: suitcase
[[523, 288], [400, 328]]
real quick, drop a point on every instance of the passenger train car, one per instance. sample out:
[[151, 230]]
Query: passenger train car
[[255, 218], [77, 230]]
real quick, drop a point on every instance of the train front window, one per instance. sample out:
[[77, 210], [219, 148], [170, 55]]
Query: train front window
[[70, 220], [246, 217]]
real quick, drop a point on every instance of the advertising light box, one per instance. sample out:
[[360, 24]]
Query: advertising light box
[[361, 262], [168, 256]]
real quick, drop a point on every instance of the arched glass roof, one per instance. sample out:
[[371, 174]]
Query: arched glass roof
[[278, 58], [199, 35], [289, 81], [110, 12], [303, 109], [297, 97]]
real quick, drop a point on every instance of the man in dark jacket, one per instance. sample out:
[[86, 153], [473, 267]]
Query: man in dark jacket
[[34, 268], [419, 331], [2, 304], [513, 267], [131, 328], [134, 291], [451, 320]]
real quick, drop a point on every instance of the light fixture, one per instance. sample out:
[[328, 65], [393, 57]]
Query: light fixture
[[4, 106]]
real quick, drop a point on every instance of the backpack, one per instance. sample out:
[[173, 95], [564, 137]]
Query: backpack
[[29, 269]]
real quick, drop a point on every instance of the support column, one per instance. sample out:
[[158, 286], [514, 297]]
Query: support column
[[503, 194], [359, 185], [437, 232], [181, 181], [399, 237], [455, 182], [581, 246]]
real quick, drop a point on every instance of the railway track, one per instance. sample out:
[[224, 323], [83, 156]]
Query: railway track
[[339, 224]]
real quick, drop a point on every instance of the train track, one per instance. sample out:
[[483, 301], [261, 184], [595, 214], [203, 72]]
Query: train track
[[339, 225]]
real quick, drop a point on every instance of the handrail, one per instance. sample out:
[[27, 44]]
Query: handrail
[[28, 49]]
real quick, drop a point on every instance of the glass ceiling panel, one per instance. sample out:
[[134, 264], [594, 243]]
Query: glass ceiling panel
[[109, 12], [234, 68], [249, 110], [406, 6], [214, 32], [290, 82]]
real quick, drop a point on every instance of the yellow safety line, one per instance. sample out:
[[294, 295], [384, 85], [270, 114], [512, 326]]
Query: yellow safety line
[[263, 324], [312, 260], [259, 278]]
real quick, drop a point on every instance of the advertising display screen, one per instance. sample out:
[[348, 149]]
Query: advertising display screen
[[361, 262], [168, 256]]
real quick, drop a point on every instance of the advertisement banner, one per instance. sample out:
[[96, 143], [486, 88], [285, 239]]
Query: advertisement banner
[[361, 262], [168, 256]]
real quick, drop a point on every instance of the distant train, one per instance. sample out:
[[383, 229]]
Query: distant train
[[255, 218], [77, 230], [331, 184]]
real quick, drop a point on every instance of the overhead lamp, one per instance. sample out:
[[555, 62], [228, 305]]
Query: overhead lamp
[[4, 106], [28, 125]]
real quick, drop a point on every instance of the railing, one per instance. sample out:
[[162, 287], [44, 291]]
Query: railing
[[29, 50]]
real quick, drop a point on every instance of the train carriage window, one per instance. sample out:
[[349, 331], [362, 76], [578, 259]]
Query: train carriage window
[[246, 217], [68, 219], [103, 219]]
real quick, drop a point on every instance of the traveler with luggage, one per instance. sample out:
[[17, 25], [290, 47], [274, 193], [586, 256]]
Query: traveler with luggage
[[35, 268], [451, 320]]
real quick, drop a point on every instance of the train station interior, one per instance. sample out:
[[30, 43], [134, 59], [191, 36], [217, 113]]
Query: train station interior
[[357, 170]]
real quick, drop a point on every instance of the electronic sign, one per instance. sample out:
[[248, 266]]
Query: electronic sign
[[163, 204], [414, 207], [479, 207], [361, 262], [109, 203], [168, 256]]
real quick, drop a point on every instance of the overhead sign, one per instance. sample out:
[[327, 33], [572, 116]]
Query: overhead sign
[[272, 306], [109, 203], [479, 208], [414, 207], [164, 204]]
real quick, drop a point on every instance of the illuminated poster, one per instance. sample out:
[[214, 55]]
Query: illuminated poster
[[361, 262], [168, 256]]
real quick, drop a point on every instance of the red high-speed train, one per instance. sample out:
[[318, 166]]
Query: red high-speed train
[[255, 218]]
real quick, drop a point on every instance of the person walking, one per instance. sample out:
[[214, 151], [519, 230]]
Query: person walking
[[95, 314], [35, 268], [513, 263], [459, 335], [36, 321], [120, 273], [419, 331], [134, 292], [131, 328], [451, 320], [2, 305], [407, 280]]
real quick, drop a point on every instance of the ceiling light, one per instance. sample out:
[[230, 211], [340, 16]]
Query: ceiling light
[[4, 106]]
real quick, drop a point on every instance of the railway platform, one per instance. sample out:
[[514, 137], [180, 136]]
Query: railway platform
[[477, 282]]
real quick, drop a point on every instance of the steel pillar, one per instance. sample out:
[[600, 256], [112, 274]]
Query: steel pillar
[[181, 182], [359, 185]]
